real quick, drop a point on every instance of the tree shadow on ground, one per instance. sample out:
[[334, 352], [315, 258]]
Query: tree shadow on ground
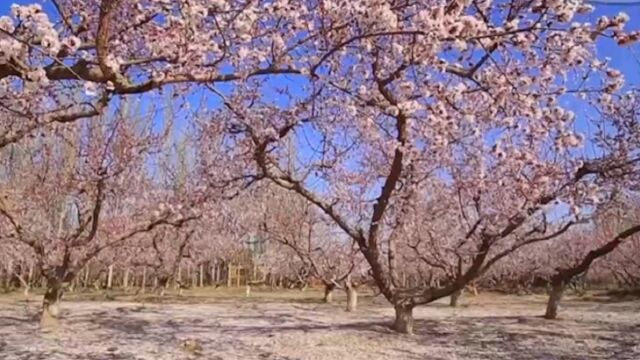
[[614, 296], [48, 355], [128, 325], [464, 337], [528, 338]]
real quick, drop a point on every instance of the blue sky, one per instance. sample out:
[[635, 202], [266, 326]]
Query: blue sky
[[625, 59]]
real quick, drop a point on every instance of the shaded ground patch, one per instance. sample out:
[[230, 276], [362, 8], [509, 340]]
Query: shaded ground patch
[[488, 327]]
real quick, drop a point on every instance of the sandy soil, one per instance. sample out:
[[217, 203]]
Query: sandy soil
[[485, 327]]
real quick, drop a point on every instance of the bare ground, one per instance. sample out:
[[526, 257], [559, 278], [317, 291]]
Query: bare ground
[[290, 326]]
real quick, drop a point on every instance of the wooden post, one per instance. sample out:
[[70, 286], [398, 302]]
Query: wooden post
[[214, 281], [254, 272], [9, 272], [144, 280], [125, 280], [86, 276], [110, 277], [30, 280]]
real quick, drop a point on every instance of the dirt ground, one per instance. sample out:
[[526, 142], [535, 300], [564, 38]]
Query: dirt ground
[[291, 326]]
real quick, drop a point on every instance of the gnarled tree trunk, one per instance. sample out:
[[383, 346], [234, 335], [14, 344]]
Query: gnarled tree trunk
[[51, 303], [404, 319], [352, 297], [163, 283], [555, 296], [328, 293], [455, 297]]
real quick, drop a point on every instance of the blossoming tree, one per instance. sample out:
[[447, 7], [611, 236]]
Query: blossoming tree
[[426, 110], [76, 192], [437, 132]]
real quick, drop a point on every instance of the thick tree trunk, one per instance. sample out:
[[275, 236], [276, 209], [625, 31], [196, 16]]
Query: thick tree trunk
[[352, 298], [51, 304], [201, 275], [404, 319], [555, 296], [163, 283], [74, 285], [328, 293], [455, 297]]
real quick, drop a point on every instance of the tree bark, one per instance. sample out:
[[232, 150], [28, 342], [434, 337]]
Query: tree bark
[[404, 319], [352, 298], [328, 293], [474, 289], [51, 303], [110, 277], [216, 274], [163, 283], [25, 284], [179, 277], [125, 279], [455, 297], [555, 296], [9, 274], [143, 285], [30, 276], [87, 274]]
